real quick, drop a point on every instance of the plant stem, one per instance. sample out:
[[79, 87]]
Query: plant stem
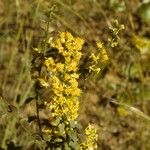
[[38, 118]]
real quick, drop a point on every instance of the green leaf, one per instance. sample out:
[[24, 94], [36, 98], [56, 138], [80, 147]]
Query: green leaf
[[59, 140], [74, 145], [55, 122], [67, 146], [58, 148], [73, 135], [61, 128]]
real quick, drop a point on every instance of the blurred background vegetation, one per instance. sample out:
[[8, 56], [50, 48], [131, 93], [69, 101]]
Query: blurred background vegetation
[[118, 101]]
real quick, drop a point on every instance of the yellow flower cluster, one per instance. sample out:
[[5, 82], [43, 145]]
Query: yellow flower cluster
[[63, 76], [103, 52], [100, 57], [91, 138], [55, 70]]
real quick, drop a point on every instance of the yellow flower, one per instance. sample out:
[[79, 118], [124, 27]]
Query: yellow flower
[[104, 55], [97, 59], [72, 66], [49, 62], [94, 58], [94, 69], [43, 83], [79, 43], [91, 138], [103, 52], [60, 67], [47, 131], [69, 36]]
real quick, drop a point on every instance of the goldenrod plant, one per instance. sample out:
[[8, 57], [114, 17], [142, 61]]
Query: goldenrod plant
[[55, 69]]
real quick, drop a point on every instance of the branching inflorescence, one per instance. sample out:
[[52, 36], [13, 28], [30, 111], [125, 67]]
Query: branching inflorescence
[[55, 69]]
